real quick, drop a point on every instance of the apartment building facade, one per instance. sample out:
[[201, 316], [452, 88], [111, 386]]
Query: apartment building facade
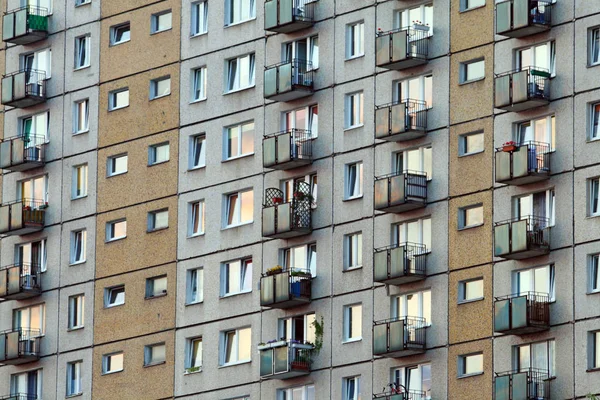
[[172, 169]]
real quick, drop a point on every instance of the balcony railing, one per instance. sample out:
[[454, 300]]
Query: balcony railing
[[518, 18], [22, 217], [285, 289], [19, 346], [520, 238], [524, 163], [283, 220], [519, 314], [288, 149], [19, 396], [522, 89], [22, 153], [400, 121], [24, 88], [399, 337], [286, 16], [401, 395], [401, 191], [398, 264], [528, 384], [20, 281], [25, 25], [402, 48], [285, 359], [289, 80]]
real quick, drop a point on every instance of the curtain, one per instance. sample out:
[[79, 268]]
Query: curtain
[[251, 71], [78, 244], [314, 51], [352, 180], [232, 83], [246, 278]]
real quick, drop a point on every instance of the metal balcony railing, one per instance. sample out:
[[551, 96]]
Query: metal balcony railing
[[401, 263], [528, 162], [19, 346], [526, 384], [400, 191], [20, 281], [522, 89], [401, 120], [19, 396], [22, 153], [402, 48], [399, 337], [288, 149], [22, 216], [524, 237], [286, 16], [522, 313], [25, 25], [285, 289], [285, 219], [24, 88], [399, 394], [519, 18], [285, 359], [289, 80]]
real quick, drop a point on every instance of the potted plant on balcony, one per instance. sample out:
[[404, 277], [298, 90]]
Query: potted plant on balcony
[[301, 196], [274, 270], [43, 206], [277, 200], [509, 146], [420, 26]]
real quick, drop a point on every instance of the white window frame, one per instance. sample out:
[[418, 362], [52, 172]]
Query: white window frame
[[197, 146], [232, 81], [311, 120], [346, 382], [193, 361], [81, 123], [463, 216], [14, 382], [400, 232], [403, 20], [199, 83], [154, 152], [349, 319], [424, 89], [236, 218], [406, 376], [111, 227], [354, 110], [83, 44], [154, 87], [78, 244], [111, 164], [39, 120], [113, 97], [107, 360], [593, 350], [196, 212], [549, 132], [288, 327], [108, 293], [593, 187], [549, 211], [155, 21], [288, 186], [228, 153], [199, 22], [20, 323], [234, 346], [307, 252], [516, 280], [468, 5], [465, 68], [350, 194], [250, 12], [594, 127], [593, 273], [401, 301], [550, 358], [244, 267], [113, 33], [353, 257], [291, 51], [80, 181], [82, 2], [74, 382], [76, 311], [463, 144], [154, 218], [463, 362], [355, 40], [154, 284], [594, 47], [24, 254], [305, 392], [194, 286], [463, 290], [40, 60]]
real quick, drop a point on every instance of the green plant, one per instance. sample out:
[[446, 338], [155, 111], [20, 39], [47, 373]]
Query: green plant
[[276, 269], [297, 272], [318, 335], [192, 369], [591, 396]]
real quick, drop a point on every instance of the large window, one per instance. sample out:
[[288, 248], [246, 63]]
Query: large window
[[80, 173], [353, 182], [422, 13], [120, 34], [353, 250], [82, 51], [193, 361], [536, 355], [237, 11], [303, 118], [199, 18], [419, 88], [594, 350], [414, 378], [31, 254], [418, 231], [239, 208], [76, 311], [351, 388], [306, 392], [236, 277], [541, 56], [416, 304], [303, 257], [355, 40], [240, 73], [81, 120], [30, 318], [288, 187], [33, 189], [236, 346], [354, 110], [199, 84], [594, 47], [239, 140], [40, 60], [470, 364], [540, 205], [299, 327], [195, 286], [38, 126], [415, 160], [539, 280], [352, 322], [74, 378], [196, 218], [78, 246], [112, 363], [116, 230], [594, 273], [198, 151]]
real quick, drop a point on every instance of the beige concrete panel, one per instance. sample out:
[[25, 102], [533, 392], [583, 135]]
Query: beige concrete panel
[[471, 387], [471, 28]]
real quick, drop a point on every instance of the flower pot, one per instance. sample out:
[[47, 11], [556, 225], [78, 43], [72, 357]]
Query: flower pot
[[420, 27], [509, 148], [277, 200]]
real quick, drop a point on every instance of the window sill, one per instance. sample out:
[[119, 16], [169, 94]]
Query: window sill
[[158, 163], [76, 263], [73, 395], [196, 101], [115, 239], [155, 297], [194, 303], [77, 133], [112, 372], [121, 42], [160, 97], [470, 227], [195, 235], [239, 23], [354, 57], [353, 198], [81, 68], [239, 90], [470, 300], [113, 306], [154, 364], [470, 9], [471, 81], [237, 226], [353, 127], [197, 168], [234, 364], [195, 35], [353, 340], [118, 108], [79, 197], [352, 269], [470, 375], [226, 296], [593, 292], [597, 369], [116, 174], [75, 329], [471, 154], [238, 157], [192, 373], [161, 31]]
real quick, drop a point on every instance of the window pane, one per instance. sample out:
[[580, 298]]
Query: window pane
[[473, 289], [475, 70], [233, 141], [244, 344], [474, 364], [247, 206], [474, 216], [248, 138]]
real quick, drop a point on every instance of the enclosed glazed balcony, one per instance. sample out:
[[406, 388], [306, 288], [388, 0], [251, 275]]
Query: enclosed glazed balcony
[[399, 337], [521, 164], [400, 121], [288, 149], [402, 48], [285, 359], [401, 394], [286, 16], [24, 88], [521, 90], [520, 314], [527, 384], [20, 281], [19, 346], [22, 217], [289, 80], [401, 191], [518, 18], [22, 153], [25, 25], [283, 219], [398, 264], [526, 237], [285, 289]]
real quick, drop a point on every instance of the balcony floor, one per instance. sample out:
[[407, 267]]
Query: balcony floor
[[291, 234], [288, 375], [400, 280], [23, 294], [409, 62], [25, 166], [26, 101], [525, 330], [406, 206], [533, 177], [290, 27], [26, 229], [297, 163], [297, 92], [410, 134], [408, 351], [525, 105], [294, 302], [30, 37], [525, 31], [23, 359], [533, 251]]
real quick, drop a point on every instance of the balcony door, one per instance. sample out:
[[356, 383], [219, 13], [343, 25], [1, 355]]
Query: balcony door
[[539, 205], [414, 378], [419, 88], [423, 13], [416, 304], [36, 62], [29, 254], [289, 186], [27, 383], [539, 356], [33, 192], [299, 328], [306, 49], [414, 160], [539, 280], [34, 130], [413, 232], [306, 118], [29, 318], [47, 4], [541, 56], [302, 257]]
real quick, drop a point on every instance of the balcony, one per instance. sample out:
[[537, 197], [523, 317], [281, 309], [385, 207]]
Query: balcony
[[24, 88], [401, 121], [524, 163], [401, 191], [517, 239], [22, 153], [528, 384], [520, 314], [19, 396], [289, 80], [19, 346], [288, 149], [290, 219], [398, 264], [20, 282], [286, 16], [285, 289], [402, 395], [402, 48], [518, 18], [399, 337], [285, 360], [22, 217], [25, 25], [521, 90]]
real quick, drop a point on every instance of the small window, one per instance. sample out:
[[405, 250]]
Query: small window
[[76, 310], [158, 153], [352, 322], [240, 208], [240, 73], [470, 143], [237, 11], [118, 99], [73, 378], [117, 165], [353, 250], [160, 87], [114, 296], [199, 18], [81, 119], [595, 122], [80, 175], [593, 189], [158, 220], [236, 277], [594, 47], [198, 151], [119, 34], [82, 2], [466, 5], [78, 242], [199, 84], [162, 22], [193, 362], [471, 364], [155, 354], [470, 290], [472, 71], [112, 363], [355, 40], [354, 181], [594, 273], [156, 286], [196, 213], [469, 217], [236, 346], [354, 110], [195, 286], [116, 230], [82, 51], [594, 350], [351, 388], [239, 140]]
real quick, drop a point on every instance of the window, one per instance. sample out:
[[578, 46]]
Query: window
[[594, 47], [539, 205], [239, 140], [79, 181], [423, 13], [155, 354], [199, 18], [160, 87], [418, 231], [541, 56], [539, 280], [594, 350], [240, 208], [538, 355], [419, 88], [594, 273], [196, 212], [466, 5], [195, 286], [472, 71], [595, 121], [353, 250], [35, 128], [81, 119], [236, 346], [158, 220], [306, 49], [199, 88], [193, 360], [469, 217], [27, 383], [354, 110], [38, 60], [198, 151], [31, 254], [470, 290], [306, 392], [118, 99], [593, 186], [354, 181], [112, 363], [114, 296], [355, 40], [416, 377], [416, 304], [236, 277], [351, 388], [240, 73], [539, 131], [116, 230], [74, 378], [158, 153], [237, 11], [471, 143], [299, 327], [352, 322], [76, 310], [78, 242], [82, 51], [82, 2], [303, 118], [31, 318], [116, 165], [162, 22], [303, 257], [156, 286], [119, 34], [33, 190], [471, 364]]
